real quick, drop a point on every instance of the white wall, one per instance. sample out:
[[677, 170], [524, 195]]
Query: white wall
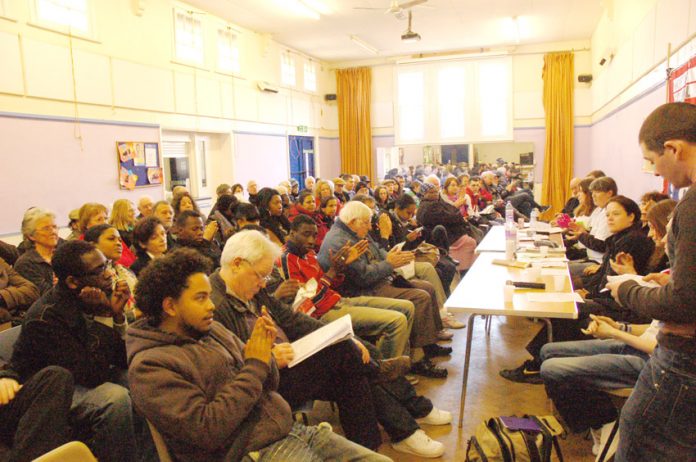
[[127, 73]]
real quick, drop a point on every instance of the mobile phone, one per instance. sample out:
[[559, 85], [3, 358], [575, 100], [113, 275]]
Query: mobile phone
[[520, 423]]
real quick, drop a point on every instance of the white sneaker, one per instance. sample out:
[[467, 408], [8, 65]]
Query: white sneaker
[[596, 440], [436, 417], [420, 444], [451, 322]]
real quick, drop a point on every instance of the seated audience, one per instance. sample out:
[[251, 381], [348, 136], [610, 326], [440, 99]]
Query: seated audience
[[16, 293], [658, 218], [581, 216], [246, 214], [150, 241], [145, 206], [210, 396], [9, 253], [123, 219], [573, 202], [455, 195], [322, 190], [39, 227], [107, 240], [165, 214], [328, 210], [623, 221], [306, 205], [178, 191], [647, 201], [74, 224], [299, 263], [335, 373], [309, 183], [183, 202], [35, 412], [372, 275], [593, 235], [224, 217], [382, 199], [192, 234], [79, 325], [341, 194], [271, 210], [252, 191], [574, 373], [91, 214]]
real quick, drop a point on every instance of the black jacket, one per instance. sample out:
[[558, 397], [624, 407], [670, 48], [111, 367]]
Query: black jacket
[[438, 212], [631, 241], [56, 332]]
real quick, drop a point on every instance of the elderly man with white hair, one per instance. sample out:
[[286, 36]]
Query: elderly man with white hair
[[145, 206], [336, 373], [373, 275]]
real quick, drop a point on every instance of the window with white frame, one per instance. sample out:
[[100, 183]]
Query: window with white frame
[[411, 115], [448, 102], [228, 50], [72, 16], [287, 70], [188, 37], [310, 76]]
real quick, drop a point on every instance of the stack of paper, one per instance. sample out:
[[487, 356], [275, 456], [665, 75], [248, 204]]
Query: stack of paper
[[632, 277], [337, 331]]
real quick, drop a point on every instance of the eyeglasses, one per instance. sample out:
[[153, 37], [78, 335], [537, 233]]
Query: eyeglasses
[[98, 271], [265, 279]]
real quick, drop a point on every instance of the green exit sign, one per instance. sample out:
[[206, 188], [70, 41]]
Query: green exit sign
[[302, 128]]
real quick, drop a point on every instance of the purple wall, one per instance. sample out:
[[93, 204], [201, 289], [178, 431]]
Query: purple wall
[[329, 150], [614, 146]]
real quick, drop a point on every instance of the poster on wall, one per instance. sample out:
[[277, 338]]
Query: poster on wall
[[138, 164], [682, 88]]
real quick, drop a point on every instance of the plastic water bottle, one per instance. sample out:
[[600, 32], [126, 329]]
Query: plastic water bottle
[[510, 233], [509, 214], [533, 218]]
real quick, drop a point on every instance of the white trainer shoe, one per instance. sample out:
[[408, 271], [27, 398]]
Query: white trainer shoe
[[436, 417], [421, 445]]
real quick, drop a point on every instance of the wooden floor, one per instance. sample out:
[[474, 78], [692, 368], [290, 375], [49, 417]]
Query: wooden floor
[[488, 394]]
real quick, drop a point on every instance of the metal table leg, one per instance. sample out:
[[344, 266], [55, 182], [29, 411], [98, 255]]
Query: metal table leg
[[467, 357], [549, 329]]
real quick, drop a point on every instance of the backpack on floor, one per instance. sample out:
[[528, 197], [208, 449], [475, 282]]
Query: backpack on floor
[[494, 442]]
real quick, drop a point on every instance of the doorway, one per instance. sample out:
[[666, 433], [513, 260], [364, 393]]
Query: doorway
[[301, 158]]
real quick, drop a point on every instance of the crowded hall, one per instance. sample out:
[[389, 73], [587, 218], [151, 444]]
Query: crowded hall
[[348, 230]]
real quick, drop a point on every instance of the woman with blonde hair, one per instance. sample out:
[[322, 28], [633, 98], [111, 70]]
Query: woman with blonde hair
[[91, 214], [123, 219], [322, 190]]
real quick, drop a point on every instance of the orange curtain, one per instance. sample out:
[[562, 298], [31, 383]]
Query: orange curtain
[[558, 106], [355, 133]]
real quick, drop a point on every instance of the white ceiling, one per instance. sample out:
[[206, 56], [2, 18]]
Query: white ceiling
[[445, 25]]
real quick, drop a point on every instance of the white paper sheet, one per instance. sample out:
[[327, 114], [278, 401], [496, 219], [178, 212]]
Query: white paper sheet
[[632, 277], [312, 343]]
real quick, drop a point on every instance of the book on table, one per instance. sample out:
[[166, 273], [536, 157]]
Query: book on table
[[336, 331]]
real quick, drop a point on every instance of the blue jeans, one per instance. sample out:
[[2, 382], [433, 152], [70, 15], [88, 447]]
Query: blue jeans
[[658, 422], [314, 444], [103, 417], [574, 371], [377, 317]]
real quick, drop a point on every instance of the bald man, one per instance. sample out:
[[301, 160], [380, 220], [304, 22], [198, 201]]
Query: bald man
[[145, 206], [573, 202]]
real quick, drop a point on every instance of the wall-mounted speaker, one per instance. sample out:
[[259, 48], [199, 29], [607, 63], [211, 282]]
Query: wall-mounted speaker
[[330, 97], [585, 78]]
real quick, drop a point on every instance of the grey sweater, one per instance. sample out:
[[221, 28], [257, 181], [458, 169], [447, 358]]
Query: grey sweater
[[675, 302]]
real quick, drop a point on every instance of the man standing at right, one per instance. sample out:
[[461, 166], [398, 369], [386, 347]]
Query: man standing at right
[[658, 423]]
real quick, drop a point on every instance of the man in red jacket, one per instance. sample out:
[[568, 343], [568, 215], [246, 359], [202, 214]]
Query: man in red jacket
[[371, 316]]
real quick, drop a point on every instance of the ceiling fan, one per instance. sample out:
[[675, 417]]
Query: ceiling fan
[[395, 8]]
